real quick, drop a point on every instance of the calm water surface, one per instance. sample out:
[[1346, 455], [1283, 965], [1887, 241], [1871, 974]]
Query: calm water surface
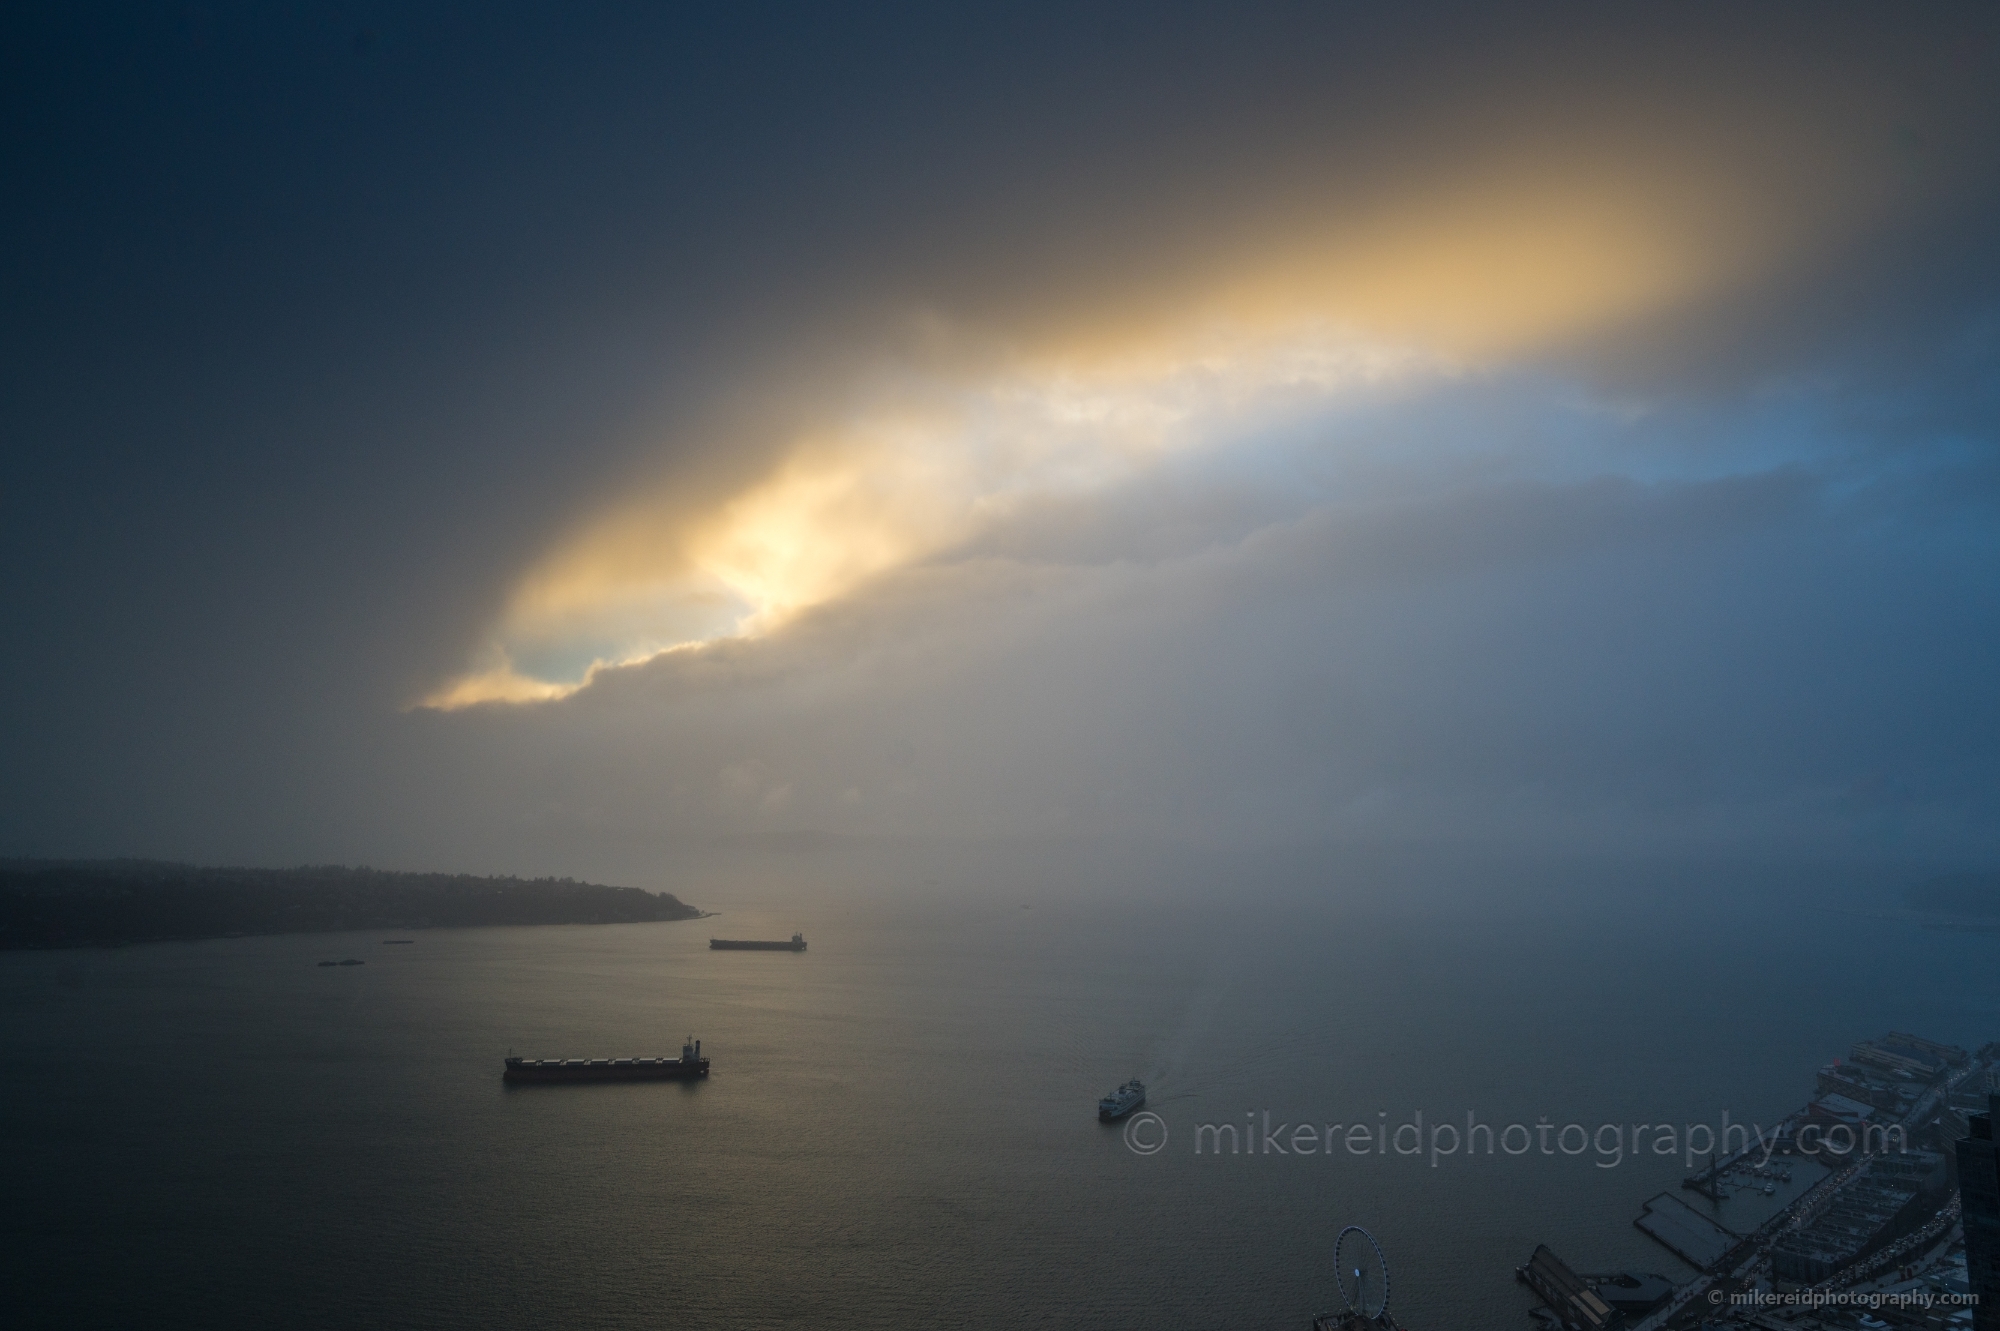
[[899, 1130]]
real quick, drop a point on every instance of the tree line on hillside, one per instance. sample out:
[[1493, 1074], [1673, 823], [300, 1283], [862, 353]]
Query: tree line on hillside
[[84, 903]]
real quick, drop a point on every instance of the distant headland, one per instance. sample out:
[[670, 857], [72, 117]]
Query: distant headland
[[103, 903]]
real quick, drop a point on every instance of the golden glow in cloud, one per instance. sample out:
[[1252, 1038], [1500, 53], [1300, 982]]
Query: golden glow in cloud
[[923, 468], [1494, 266]]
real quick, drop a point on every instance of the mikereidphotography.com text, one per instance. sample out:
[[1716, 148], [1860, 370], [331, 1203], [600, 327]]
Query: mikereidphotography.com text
[[1434, 1140]]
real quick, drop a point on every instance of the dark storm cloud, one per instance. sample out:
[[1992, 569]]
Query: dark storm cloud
[[326, 327]]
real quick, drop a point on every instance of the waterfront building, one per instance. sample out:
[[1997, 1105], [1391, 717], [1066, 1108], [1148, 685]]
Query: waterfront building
[[1979, 1194], [1893, 1195]]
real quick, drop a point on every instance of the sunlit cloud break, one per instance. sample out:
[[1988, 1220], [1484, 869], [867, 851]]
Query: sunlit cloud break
[[925, 464], [1473, 267], [1477, 267]]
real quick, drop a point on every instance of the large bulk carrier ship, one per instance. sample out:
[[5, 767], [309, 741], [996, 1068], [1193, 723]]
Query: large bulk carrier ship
[[689, 1064], [797, 944]]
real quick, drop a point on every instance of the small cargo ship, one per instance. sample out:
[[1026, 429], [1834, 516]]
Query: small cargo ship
[[797, 944], [690, 1064], [1121, 1101]]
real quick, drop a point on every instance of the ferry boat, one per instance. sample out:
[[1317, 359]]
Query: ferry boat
[[691, 1063], [1121, 1101]]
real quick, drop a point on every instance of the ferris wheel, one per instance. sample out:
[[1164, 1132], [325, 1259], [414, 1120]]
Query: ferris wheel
[[1362, 1273]]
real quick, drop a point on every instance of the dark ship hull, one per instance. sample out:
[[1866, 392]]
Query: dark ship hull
[[603, 1069], [755, 945], [688, 1066]]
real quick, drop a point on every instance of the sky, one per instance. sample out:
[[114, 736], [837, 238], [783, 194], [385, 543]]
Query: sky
[[476, 437]]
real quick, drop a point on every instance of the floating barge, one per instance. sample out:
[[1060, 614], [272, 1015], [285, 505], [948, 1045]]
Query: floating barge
[[689, 1065], [797, 944]]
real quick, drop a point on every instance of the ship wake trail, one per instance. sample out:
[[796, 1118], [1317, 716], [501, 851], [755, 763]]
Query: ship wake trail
[[1171, 1063]]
